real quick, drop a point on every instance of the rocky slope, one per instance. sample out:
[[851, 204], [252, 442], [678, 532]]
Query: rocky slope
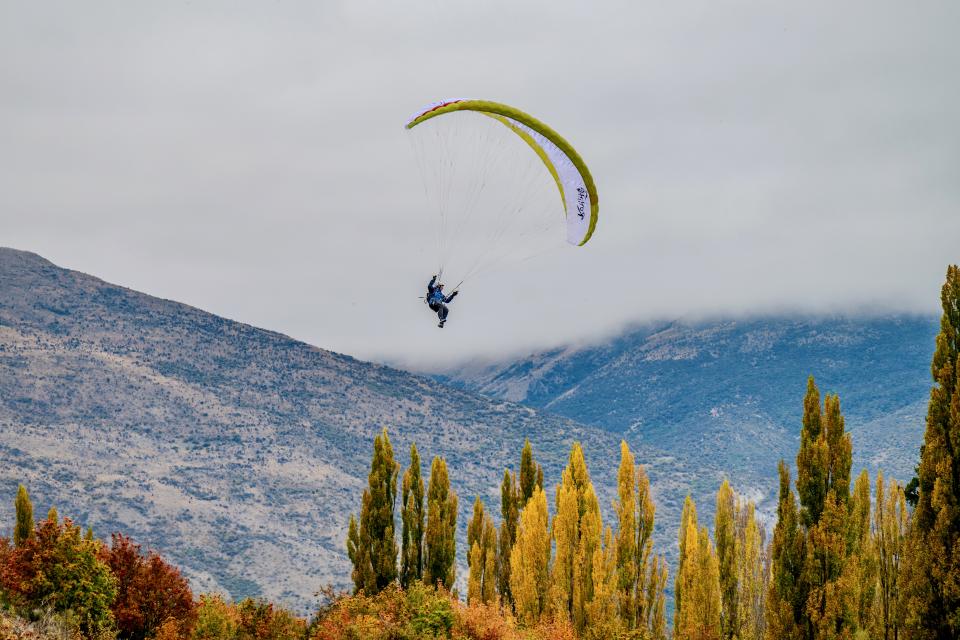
[[236, 452]]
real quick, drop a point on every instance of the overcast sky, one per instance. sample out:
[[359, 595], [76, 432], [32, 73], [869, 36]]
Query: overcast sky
[[249, 158]]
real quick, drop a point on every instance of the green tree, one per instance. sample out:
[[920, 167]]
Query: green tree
[[531, 473], [412, 517], [440, 544], [372, 545], [509, 518], [787, 594], [932, 568], [23, 529]]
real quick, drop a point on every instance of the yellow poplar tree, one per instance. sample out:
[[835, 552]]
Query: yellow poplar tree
[[530, 560], [698, 578], [889, 539], [576, 531], [602, 620]]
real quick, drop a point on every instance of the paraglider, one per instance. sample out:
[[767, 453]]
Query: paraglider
[[504, 186], [437, 301]]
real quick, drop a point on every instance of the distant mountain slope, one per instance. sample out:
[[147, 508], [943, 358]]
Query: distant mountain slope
[[725, 397], [237, 452]]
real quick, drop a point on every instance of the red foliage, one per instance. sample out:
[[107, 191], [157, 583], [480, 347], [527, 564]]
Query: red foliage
[[149, 590]]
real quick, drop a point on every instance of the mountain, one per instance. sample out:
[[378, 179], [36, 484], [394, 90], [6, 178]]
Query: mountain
[[237, 453], [724, 398]]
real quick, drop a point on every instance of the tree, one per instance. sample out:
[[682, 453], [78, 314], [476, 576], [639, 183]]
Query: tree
[[57, 568], [688, 520], [725, 538], [23, 529], [440, 543], [509, 518], [889, 540], [932, 568], [530, 560], [261, 620], [859, 574], [787, 594], [149, 591], [752, 574], [412, 517], [601, 612], [531, 473], [698, 578], [637, 578], [482, 560], [576, 532], [372, 545], [216, 619]]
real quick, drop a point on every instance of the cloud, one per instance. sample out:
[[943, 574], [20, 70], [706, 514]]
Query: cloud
[[249, 158]]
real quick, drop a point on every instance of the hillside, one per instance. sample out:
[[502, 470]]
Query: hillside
[[724, 397], [236, 452]]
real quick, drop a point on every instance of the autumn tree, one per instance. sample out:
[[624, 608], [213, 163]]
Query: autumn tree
[[482, 559], [57, 569], [261, 620], [752, 574], [932, 568], [412, 518], [602, 621], [725, 539], [440, 544], [698, 578], [371, 544], [576, 534], [216, 619], [23, 528], [530, 560], [637, 577], [889, 539], [149, 590]]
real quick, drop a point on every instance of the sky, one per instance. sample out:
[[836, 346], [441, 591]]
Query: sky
[[249, 158]]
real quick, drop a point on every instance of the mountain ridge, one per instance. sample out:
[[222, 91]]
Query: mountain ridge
[[237, 452]]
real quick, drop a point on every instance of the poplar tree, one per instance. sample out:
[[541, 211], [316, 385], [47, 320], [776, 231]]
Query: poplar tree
[[412, 517], [440, 544], [698, 578], [859, 577], [688, 520], [752, 574], [932, 568], [889, 539], [656, 600], [576, 532], [530, 568], [482, 560], [531, 473], [787, 594], [635, 517], [23, 528], [372, 545], [509, 517], [602, 621], [725, 539]]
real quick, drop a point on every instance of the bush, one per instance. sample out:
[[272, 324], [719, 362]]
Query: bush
[[59, 570], [150, 592]]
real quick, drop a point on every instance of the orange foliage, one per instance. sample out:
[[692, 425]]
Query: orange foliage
[[149, 591]]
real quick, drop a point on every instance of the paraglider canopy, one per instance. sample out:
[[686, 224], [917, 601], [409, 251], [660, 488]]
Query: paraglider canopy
[[565, 165]]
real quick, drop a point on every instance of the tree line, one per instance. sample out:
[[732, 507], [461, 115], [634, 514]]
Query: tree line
[[848, 557]]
